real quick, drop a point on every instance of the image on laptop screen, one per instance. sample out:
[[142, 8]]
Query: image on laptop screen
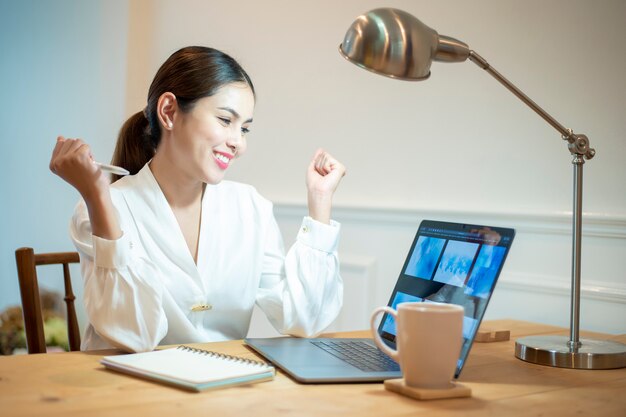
[[454, 264]]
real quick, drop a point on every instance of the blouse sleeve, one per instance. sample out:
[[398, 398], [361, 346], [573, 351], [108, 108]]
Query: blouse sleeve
[[302, 293], [122, 297]]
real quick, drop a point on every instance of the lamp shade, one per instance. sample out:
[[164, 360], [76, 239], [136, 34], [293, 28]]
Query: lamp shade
[[396, 44]]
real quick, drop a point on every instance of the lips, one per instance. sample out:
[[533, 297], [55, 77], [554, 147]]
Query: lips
[[222, 159]]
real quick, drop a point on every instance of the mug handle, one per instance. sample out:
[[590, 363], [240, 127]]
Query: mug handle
[[393, 354]]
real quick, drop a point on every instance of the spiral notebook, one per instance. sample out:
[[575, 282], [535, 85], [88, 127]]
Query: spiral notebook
[[190, 368]]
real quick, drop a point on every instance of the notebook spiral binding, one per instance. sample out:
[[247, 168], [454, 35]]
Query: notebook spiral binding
[[222, 356]]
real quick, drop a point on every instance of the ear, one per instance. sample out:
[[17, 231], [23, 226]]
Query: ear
[[167, 107]]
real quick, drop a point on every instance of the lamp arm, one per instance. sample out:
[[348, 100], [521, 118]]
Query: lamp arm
[[578, 144]]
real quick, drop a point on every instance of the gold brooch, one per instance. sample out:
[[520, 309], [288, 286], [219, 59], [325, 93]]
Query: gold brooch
[[201, 307]]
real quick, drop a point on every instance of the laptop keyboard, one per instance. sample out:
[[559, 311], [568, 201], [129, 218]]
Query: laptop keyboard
[[362, 355]]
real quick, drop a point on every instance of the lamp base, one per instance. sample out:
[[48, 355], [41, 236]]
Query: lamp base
[[555, 351]]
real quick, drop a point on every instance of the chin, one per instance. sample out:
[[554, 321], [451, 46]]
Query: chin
[[212, 179]]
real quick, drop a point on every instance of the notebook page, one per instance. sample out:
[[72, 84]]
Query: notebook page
[[192, 366]]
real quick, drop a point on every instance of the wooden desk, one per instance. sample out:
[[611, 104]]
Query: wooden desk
[[68, 384]]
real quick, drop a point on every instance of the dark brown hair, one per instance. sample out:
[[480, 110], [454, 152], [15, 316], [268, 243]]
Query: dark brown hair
[[190, 74]]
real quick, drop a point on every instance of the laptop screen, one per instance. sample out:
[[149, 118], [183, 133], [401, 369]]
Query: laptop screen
[[451, 263]]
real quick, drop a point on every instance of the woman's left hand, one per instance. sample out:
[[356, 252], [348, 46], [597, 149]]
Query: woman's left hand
[[323, 177]]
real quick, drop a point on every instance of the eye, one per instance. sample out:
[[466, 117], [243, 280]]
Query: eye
[[224, 120], [245, 130]]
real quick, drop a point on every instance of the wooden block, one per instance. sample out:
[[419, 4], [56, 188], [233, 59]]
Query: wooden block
[[456, 390], [491, 335]]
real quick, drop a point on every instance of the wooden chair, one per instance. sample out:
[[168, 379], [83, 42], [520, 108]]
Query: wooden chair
[[27, 261]]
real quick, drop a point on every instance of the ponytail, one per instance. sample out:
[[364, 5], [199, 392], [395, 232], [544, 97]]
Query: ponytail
[[134, 146]]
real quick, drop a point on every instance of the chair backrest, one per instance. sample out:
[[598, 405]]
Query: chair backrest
[[27, 261]]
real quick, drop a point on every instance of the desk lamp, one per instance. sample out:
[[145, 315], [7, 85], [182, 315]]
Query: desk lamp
[[396, 44]]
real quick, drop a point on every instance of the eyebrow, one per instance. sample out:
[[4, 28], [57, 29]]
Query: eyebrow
[[234, 113]]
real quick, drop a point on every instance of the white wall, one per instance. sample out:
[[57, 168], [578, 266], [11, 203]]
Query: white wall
[[459, 140], [458, 146]]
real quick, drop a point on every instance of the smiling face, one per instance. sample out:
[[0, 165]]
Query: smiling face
[[206, 139]]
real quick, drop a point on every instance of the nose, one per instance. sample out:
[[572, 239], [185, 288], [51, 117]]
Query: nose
[[236, 143]]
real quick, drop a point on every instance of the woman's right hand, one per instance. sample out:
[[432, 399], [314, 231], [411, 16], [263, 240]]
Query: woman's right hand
[[72, 161]]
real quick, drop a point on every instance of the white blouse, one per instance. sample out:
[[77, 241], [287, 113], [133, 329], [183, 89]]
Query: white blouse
[[144, 289]]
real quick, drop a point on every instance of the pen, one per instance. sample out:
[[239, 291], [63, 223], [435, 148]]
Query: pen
[[112, 169]]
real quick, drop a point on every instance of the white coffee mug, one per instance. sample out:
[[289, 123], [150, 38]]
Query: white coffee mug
[[429, 337]]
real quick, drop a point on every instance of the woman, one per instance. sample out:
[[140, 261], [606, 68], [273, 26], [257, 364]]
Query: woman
[[173, 254]]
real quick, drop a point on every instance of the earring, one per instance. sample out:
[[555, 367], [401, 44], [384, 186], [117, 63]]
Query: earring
[[170, 124]]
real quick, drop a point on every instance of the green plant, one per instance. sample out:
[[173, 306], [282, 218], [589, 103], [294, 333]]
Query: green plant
[[13, 336]]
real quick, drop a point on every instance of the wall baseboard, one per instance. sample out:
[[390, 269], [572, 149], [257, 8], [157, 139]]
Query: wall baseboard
[[602, 225], [544, 284]]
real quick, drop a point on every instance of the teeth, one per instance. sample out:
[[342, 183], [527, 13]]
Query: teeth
[[222, 158]]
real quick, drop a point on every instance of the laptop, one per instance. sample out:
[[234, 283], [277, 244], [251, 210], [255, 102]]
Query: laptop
[[447, 263]]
